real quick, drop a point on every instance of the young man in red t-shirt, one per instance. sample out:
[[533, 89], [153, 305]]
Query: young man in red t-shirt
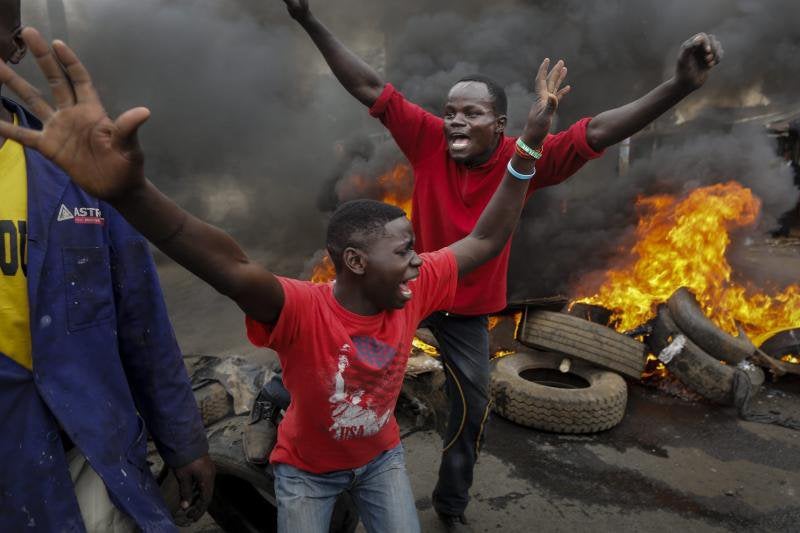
[[458, 162], [343, 345]]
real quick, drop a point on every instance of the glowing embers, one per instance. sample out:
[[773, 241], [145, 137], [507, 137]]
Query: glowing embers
[[424, 347], [681, 242], [791, 359]]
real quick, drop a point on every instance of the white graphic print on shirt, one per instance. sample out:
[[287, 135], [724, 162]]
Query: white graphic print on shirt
[[352, 420]]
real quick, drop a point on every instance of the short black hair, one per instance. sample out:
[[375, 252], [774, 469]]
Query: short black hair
[[495, 89], [357, 224]]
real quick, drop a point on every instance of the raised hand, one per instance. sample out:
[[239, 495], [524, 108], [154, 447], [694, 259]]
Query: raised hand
[[549, 93], [298, 9], [698, 55], [101, 155]]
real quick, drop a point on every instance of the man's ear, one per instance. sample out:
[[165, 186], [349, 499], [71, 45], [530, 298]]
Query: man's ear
[[500, 124], [354, 260]]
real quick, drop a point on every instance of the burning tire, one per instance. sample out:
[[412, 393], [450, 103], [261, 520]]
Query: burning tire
[[691, 320], [694, 367], [786, 342], [530, 390], [585, 340]]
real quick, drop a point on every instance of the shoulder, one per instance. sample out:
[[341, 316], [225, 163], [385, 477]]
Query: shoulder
[[573, 139], [439, 263]]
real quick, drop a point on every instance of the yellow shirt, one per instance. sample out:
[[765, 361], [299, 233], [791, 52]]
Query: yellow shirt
[[15, 333]]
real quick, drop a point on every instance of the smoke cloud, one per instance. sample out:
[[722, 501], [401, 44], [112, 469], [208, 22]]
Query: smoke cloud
[[251, 131]]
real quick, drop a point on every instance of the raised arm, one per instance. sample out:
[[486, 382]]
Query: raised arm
[[499, 218], [697, 57], [353, 73], [104, 158]]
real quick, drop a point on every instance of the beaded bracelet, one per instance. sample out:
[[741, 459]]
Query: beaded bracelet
[[532, 153]]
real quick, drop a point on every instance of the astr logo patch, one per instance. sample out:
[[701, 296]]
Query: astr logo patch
[[81, 215]]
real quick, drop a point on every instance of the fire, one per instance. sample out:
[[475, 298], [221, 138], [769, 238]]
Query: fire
[[791, 359], [654, 368], [419, 344], [682, 243], [394, 187], [397, 186], [323, 271]]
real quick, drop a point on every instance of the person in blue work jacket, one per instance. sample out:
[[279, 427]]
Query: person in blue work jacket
[[89, 365]]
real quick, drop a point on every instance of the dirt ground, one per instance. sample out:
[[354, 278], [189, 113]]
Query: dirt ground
[[671, 465]]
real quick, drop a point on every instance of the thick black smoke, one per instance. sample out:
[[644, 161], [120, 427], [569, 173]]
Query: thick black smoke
[[250, 130]]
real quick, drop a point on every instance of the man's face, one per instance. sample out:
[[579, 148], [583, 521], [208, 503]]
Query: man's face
[[10, 41], [391, 264], [471, 126]]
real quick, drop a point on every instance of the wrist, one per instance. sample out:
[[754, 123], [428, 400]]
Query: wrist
[[533, 137], [681, 87], [131, 195], [305, 19]]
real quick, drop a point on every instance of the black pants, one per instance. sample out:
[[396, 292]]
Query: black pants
[[464, 345]]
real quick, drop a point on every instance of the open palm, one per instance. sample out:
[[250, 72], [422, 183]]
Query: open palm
[[548, 90], [102, 156]]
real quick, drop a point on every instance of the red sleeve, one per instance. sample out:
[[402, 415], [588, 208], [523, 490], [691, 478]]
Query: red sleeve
[[297, 299], [563, 155], [417, 132], [435, 288]]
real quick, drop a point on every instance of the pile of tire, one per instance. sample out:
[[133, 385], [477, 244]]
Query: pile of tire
[[704, 358], [571, 382]]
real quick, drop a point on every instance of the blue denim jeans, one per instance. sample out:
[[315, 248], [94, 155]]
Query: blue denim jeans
[[380, 490]]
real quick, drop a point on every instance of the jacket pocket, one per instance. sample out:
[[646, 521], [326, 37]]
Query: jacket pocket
[[89, 294]]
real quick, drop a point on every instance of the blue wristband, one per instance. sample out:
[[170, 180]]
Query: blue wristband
[[518, 175]]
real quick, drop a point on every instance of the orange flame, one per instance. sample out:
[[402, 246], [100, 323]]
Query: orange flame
[[323, 272], [423, 346], [682, 243], [397, 186]]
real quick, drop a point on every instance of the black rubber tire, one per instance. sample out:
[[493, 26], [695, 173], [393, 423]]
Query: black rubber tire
[[690, 319], [692, 366], [784, 343], [244, 495], [598, 407], [579, 338]]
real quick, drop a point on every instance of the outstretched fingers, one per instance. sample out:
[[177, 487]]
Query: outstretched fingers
[[556, 76], [78, 75], [24, 136], [60, 86], [128, 125], [27, 92], [541, 76]]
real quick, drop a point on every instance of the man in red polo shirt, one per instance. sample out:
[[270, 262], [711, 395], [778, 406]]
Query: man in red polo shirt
[[459, 160]]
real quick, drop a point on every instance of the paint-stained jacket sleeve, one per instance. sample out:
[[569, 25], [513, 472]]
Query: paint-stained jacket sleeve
[[150, 355]]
